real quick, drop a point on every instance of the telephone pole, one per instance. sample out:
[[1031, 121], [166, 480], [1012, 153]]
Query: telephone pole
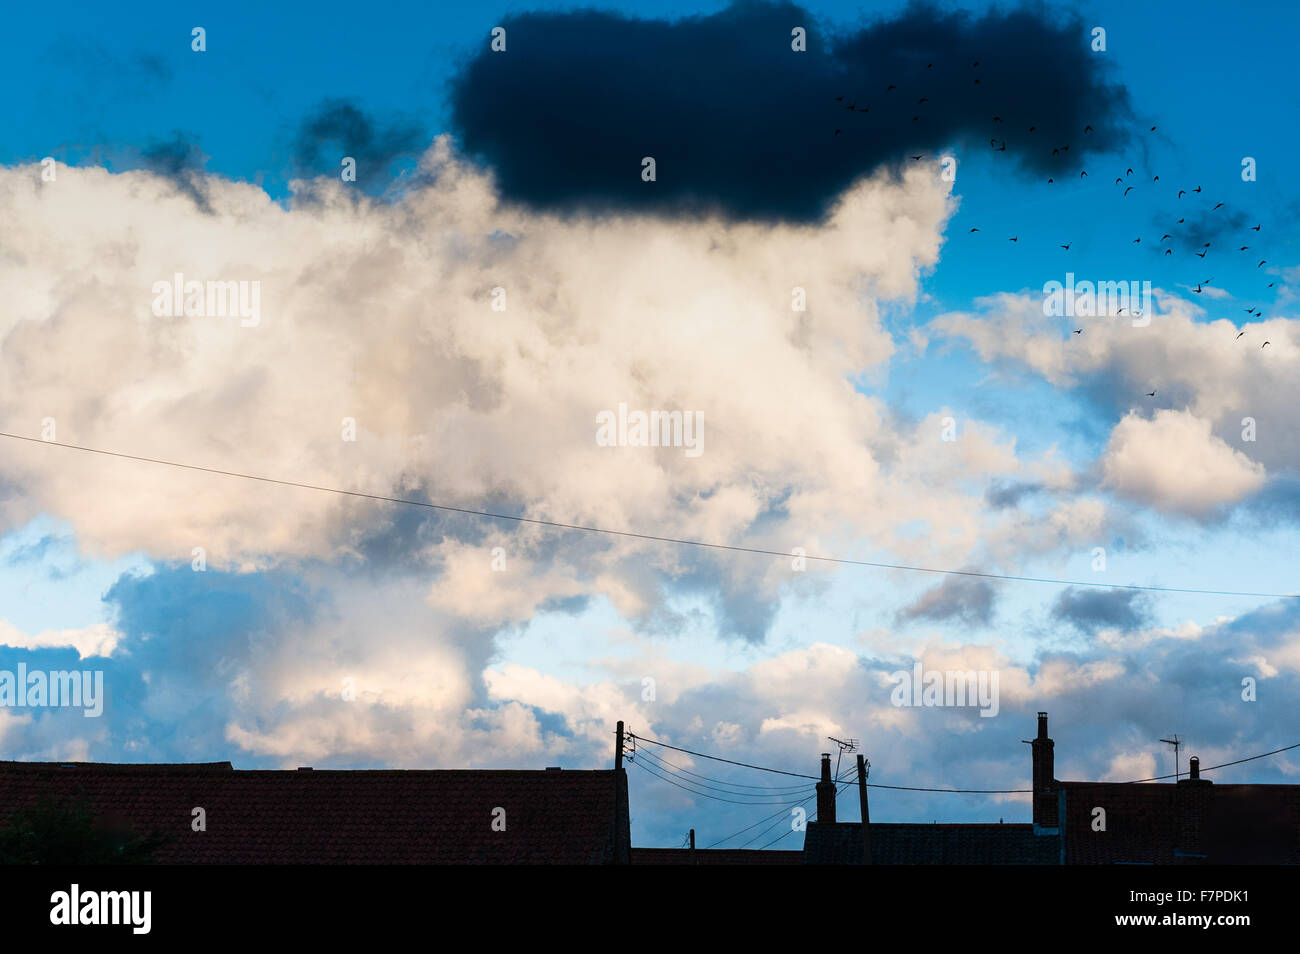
[[863, 767]]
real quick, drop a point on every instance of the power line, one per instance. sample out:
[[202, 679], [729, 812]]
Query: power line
[[898, 788], [948, 791], [1262, 755], [771, 791], [683, 787], [762, 789], [777, 815], [841, 780], [792, 830], [717, 758], [679, 541]]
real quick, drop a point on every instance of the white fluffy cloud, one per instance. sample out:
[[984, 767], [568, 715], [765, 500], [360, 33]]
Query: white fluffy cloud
[[98, 639], [381, 312], [1171, 460]]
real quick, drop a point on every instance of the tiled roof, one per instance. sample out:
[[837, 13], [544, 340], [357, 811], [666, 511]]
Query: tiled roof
[[1243, 824], [912, 844], [342, 817], [714, 856]]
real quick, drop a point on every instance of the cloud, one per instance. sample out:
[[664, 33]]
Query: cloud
[[180, 161], [1226, 394], [741, 125], [339, 128], [382, 313], [1091, 609], [1171, 461], [98, 639], [966, 599]]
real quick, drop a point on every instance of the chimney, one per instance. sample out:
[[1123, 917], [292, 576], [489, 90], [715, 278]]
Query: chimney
[[826, 793], [1045, 800], [1192, 798]]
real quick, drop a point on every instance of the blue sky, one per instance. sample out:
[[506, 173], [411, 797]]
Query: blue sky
[[943, 324]]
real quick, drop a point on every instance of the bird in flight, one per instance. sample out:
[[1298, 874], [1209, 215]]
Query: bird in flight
[[974, 230], [1128, 190], [1201, 254], [1014, 238], [1263, 261], [1151, 394], [1067, 247], [921, 100], [1169, 251], [1197, 189], [1118, 180], [1217, 207], [1078, 331], [1197, 289], [1165, 236], [1238, 338], [1138, 240], [1243, 248], [838, 131], [1083, 173], [1129, 173], [1255, 229], [918, 158], [891, 86], [1265, 344], [1181, 193], [1087, 129]]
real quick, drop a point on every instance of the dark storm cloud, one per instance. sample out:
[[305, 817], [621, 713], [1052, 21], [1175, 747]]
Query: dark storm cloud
[[968, 599], [338, 128], [179, 160], [740, 124], [1218, 228], [1089, 610]]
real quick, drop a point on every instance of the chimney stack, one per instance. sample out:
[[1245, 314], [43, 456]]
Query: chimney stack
[[1192, 798], [826, 793], [1045, 799]]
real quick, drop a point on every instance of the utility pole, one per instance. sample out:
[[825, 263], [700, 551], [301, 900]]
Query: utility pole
[[694, 860], [618, 789], [863, 767]]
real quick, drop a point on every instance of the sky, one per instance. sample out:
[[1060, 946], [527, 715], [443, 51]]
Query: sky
[[866, 337]]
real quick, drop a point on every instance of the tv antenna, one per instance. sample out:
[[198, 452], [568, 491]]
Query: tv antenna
[[846, 745], [1175, 742]]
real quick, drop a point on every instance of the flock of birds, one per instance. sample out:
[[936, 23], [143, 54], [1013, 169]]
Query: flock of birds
[[1125, 181]]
